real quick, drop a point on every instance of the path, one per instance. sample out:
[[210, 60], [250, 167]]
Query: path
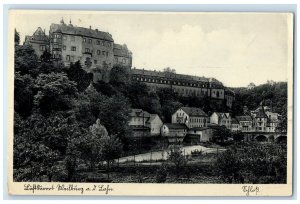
[[162, 155]]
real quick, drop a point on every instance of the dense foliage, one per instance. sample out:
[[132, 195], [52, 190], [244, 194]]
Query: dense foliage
[[273, 95], [253, 163]]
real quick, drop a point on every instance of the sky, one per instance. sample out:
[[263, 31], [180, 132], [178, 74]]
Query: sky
[[235, 48]]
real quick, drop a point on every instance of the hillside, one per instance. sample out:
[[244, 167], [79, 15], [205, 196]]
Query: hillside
[[273, 95]]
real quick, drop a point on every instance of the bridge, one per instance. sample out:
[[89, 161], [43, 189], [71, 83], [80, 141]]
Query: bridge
[[277, 137]]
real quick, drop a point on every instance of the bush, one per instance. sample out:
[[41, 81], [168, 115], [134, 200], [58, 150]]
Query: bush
[[229, 166], [161, 174]]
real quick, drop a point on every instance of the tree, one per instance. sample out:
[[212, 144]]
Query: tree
[[46, 56], [169, 70], [17, 37], [119, 75], [55, 92], [114, 114], [90, 145], [168, 109], [175, 156], [41, 144], [282, 126], [26, 60], [23, 94], [228, 165], [80, 76], [111, 148], [221, 134], [238, 136]]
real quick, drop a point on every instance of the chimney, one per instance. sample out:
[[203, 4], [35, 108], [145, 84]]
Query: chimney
[[97, 29], [90, 27]]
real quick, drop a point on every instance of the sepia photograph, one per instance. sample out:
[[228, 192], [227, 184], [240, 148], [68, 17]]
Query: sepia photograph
[[189, 99]]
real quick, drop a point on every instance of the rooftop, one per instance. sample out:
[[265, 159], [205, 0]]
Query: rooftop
[[194, 111], [139, 113], [74, 30], [244, 118]]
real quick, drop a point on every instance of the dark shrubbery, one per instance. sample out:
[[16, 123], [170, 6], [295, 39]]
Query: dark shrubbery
[[253, 163]]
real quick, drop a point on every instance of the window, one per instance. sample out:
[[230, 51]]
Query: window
[[98, 42], [106, 54], [102, 43], [116, 59], [72, 58], [73, 48], [64, 47], [95, 61], [84, 39], [103, 53], [87, 49], [98, 52], [56, 56], [68, 57], [56, 36], [90, 41], [72, 38], [42, 47]]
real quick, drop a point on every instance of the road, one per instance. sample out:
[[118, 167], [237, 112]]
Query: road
[[162, 155]]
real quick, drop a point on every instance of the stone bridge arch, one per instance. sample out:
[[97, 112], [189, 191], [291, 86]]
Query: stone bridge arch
[[261, 138], [280, 139]]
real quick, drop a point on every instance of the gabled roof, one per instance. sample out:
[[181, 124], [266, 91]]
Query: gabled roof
[[152, 117], [139, 113], [244, 118], [261, 114], [74, 30], [38, 35], [222, 115], [175, 126], [194, 111]]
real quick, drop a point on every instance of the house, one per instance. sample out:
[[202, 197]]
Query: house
[[199, 134], [154, 123], [191, 117], [222, 119], [138, 117], [272, 125], [39, 41], [144, 124], [245, 123], [260, 121], [264, 119], [235, 125], [174, 132]]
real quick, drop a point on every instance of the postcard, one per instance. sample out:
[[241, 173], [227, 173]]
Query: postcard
[[150, 103]]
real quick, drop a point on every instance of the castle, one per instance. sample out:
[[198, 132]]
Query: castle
[[98, 53]]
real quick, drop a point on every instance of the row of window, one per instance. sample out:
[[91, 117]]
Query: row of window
[[197, 125], [42, 47], [123, 60], [98, 42], [170, 82], [69, 58], [73, 48], [197, 120], [85, 40], [103, 53]]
